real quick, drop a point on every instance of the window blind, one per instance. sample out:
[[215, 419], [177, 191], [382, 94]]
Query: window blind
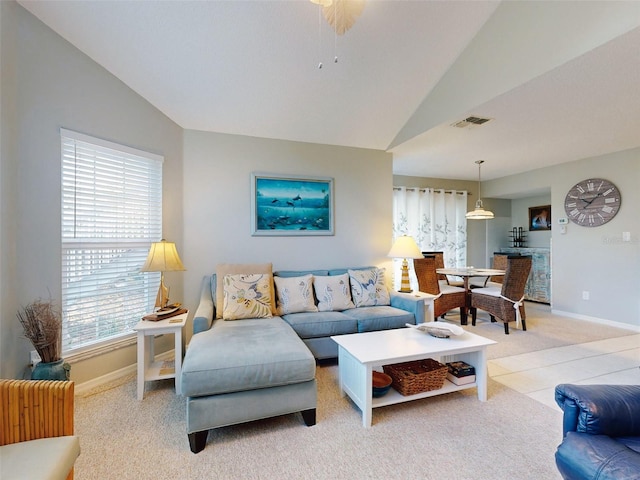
[[111, 212]]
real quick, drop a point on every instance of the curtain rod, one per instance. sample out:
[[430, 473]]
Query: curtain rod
[[424, 190]]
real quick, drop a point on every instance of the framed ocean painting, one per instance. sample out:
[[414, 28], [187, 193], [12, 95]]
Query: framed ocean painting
[[285, 205]]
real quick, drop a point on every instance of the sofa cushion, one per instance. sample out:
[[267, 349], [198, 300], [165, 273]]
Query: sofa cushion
[[321, 324], [247, 296], [223, 269], [380, 318], [333, 293], [582, 455], [294, 294], [246, 355], [368, 287]]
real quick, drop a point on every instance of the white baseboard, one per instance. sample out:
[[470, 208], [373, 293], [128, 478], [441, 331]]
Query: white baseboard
[[82, 388], [602, 321]]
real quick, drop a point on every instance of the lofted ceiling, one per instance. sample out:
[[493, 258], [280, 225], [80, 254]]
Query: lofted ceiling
[[557, 79]]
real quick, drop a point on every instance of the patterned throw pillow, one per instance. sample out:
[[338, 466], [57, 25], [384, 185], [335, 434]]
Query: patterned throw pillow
[[368, 288], [333, 292], [294, 294], [247, 296], [223, 269]]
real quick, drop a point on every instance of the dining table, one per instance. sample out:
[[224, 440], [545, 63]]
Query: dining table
[[466, 273]]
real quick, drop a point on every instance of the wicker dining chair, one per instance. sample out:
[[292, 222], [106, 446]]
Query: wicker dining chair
[[499, 262], [440, 264], [33, 413], [449, 297], [500, 302]]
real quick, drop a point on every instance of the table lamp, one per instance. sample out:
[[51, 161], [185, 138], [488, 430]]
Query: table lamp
[[163, 257], [405, 247]]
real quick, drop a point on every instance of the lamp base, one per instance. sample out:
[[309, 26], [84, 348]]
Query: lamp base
[[163, 294], [405, 285]]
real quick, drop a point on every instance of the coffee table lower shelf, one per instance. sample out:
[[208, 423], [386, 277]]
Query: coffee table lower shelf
[[393, 396]]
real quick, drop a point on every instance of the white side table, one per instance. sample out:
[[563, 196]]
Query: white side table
[[148, 368], [428, 303]]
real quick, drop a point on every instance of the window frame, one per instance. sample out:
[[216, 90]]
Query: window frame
[[85, 247]]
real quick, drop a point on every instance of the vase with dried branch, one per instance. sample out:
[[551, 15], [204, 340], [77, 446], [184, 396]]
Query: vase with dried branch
[[42, 324]]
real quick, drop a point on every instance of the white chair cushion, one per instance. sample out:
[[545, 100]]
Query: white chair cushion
[[493, 291], [478, 281], [42, 459], [444, 289]]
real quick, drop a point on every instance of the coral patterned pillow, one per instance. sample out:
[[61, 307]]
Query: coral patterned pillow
[[247, 296], [368, 287], [294, 294], [333, 292]]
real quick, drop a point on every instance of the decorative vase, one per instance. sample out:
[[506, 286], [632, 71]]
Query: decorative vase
[[58, 370]]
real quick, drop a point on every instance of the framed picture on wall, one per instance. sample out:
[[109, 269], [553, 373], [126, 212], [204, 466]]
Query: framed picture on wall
[[540, 218], [286, 205]]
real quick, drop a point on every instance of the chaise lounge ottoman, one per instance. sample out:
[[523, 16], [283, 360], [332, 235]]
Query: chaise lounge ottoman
[[247, 370]]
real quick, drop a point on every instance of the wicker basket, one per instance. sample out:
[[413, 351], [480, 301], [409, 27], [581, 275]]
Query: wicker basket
[[418, 376]]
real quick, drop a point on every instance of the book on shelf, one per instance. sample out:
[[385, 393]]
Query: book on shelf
[[460, 369], [461, 380]]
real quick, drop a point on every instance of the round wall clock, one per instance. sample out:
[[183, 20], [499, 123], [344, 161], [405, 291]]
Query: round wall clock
[[592, 202]]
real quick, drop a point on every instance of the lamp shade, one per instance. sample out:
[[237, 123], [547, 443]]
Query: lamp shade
[[479, 213], [405, 247], [163, 257]]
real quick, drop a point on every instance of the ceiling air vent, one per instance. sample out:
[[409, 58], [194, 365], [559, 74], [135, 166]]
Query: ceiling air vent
[[469, 121]]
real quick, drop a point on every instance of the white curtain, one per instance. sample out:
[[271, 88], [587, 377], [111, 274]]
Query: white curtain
[[435, 219]]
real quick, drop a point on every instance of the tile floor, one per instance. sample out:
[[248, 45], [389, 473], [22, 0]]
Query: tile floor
[[615, 361]]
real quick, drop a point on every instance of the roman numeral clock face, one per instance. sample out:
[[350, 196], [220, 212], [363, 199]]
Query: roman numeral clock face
[[592, 202]]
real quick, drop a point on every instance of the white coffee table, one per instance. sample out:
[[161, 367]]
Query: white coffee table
[[361, 353]]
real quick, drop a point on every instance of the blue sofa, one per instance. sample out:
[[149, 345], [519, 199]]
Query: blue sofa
[[601, 432], [249, 369]]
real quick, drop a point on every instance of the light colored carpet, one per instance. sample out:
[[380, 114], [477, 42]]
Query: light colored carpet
[[452, 436]]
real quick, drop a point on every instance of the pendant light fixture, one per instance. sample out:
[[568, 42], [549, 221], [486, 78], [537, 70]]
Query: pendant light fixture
[[479, 213]]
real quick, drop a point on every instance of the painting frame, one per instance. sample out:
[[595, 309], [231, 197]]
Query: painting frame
[[540, 218], [291, 205]]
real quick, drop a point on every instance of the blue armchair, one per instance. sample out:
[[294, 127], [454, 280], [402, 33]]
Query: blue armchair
[[601, 432]]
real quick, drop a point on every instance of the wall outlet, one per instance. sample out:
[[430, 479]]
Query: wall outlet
[[585, 295], [34, 357]]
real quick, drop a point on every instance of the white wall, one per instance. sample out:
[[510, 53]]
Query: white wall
[[590, 259], [48, 84], [217, 186]]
